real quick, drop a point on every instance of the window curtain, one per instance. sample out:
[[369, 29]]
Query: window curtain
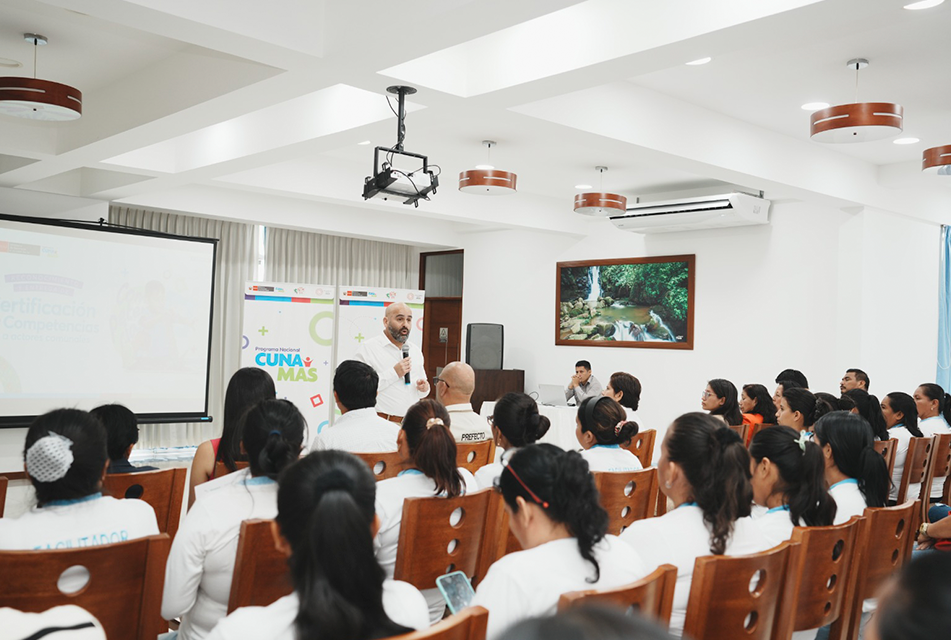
[[234, 266], [944, 312], [314, 258]]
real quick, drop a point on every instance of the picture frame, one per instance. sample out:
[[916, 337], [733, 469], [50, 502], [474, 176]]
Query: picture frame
[[643, 303]]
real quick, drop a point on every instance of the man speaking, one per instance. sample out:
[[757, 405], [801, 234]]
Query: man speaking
[[398, 363]]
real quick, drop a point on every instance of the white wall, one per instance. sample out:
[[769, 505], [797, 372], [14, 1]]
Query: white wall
[[817, 289]]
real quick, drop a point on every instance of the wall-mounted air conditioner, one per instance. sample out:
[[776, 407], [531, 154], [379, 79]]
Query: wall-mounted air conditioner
[[709, 212]]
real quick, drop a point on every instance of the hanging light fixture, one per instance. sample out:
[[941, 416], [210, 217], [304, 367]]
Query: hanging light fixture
[[598, 203], [39, 99], [485, 179], [937, 160], [859, 121]]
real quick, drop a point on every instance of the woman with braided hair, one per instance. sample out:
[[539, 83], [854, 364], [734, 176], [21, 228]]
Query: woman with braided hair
[[325, 525], [704, 469], [603, 429], [428, 450], [554, 513]]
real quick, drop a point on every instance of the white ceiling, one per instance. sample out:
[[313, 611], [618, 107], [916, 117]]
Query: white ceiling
[[230, 109]]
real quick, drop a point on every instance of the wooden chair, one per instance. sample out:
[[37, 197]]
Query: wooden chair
[[756, 428], [741, 430], [468, 624], [124, 590], [383, 465], [652, 595], [221, 469], [661, 503], [261, 575], [642, 446], [474, 455], [820, 580], [887, 448], [918, 467], [740, 596], [4, 481], [163, 490], [942, 461], [627, 496], [440, 535]]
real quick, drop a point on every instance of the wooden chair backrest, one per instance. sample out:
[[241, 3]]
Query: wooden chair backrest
[[383, 465], [440, 535], [164, 490], [887, 448], [124, 591], [822, 577], [756, 428], [942, 456], [627, 496], [221, 469], [474, 455], [652, 595], [917, 468], [739, 596], [261, 575], [468, 624], [4, 481], [741, 430], [885, 541], [642, 446]]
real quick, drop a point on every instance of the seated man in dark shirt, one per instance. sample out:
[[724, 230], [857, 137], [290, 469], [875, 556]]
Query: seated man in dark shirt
[[122, 431]]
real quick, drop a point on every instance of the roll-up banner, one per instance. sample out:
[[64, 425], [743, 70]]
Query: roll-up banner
[[360, 316]]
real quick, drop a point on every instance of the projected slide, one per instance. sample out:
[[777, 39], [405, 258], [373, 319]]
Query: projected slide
[[89, 316]]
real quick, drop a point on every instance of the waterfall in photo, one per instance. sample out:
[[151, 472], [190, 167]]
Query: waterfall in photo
[[660, 322], [628, 331], [594, 277]]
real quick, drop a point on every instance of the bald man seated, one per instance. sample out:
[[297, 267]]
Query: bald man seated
[[454, 387]]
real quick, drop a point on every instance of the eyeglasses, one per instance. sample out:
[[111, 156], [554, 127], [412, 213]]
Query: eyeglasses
[[705, 394], [438, 379], [490, 420]]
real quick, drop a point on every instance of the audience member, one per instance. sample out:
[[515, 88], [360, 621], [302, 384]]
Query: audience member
[[122, 433], [65, 622], [869, 408], [358, 428], [624, 389], [515, 423], [719, 399], [65, 458], [793, 375], [602, 429], [853, 379], [201, 561], [780, 386], [583, 384], [454, 388], [916, 604], [800, 409], [789, 480], [934, 415], [384, 353], [325, 525], [555, 515], [704, 469], [756, 405], [588, 622], [901, 419], [247, 387], [838, 403], [429, 455]]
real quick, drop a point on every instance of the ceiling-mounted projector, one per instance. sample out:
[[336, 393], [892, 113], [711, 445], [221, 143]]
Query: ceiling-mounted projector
[[401, 174]]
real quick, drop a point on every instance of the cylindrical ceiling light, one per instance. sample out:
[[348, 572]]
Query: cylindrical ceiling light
[[937, 160], [485, 179], [859, 121], [39, 99], [599, 203]]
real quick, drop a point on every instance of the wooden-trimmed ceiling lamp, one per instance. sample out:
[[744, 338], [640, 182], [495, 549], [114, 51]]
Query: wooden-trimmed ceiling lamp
[[599, 203], [39, 99], [858, 121], [937, 160], [486, 180]]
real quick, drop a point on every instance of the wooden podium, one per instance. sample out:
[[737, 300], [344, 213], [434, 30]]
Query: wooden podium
[[492, 384]]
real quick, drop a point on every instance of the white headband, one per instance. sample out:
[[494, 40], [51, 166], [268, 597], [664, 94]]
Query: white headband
[[50, 458]]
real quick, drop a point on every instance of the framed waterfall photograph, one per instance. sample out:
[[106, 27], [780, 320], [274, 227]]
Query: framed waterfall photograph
[[628, 302]]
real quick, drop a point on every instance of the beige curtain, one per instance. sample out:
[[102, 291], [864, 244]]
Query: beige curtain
[[234, 266]]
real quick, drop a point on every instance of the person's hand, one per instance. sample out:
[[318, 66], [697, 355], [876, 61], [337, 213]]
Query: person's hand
[[422, 385], [924, 542], [402, 367], [574, 382]]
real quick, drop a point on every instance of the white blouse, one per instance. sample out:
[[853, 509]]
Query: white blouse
[[849, 500], [776, 525], [903, 436], [611, 457], [528, 583], [486, 475], [933, 426]]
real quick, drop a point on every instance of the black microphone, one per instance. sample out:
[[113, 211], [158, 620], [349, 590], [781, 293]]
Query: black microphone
[[406, 355]]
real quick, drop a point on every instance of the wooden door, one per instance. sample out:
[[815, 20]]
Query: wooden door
[[442, 338]]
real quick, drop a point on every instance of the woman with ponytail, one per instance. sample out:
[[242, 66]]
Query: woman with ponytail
[[934, 417], [515, 423], [428, 450], [720, 399], [789, 480], [325, 525], [603, 428], [555, 514], [704, 469], [201, 561], [856, 474], [901, 418], [869, 408], [800, 410]]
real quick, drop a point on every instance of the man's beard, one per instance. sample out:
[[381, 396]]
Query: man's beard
[[397, 335]]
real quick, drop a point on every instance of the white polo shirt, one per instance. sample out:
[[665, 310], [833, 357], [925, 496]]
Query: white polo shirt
[[849, 500], [611, 457], [466, 425], [933, 426], [359, 431], [776, 524], [903, 436], [486, 475], [394, 396]]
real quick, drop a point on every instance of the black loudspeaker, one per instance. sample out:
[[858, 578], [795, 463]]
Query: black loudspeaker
[[484, 345]]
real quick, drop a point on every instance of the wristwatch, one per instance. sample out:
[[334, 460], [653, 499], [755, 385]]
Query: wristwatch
[[923, 529]]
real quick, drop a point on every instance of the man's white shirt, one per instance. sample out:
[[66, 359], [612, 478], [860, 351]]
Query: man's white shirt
[[358, 431], [394, 396], [465, 424]]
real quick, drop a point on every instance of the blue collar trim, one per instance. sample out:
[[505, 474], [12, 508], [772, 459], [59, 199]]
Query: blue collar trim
[[63, 503], [605, 446], [846, 481], [687, 504], [785, 507], [409, 472], [259, 480]]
